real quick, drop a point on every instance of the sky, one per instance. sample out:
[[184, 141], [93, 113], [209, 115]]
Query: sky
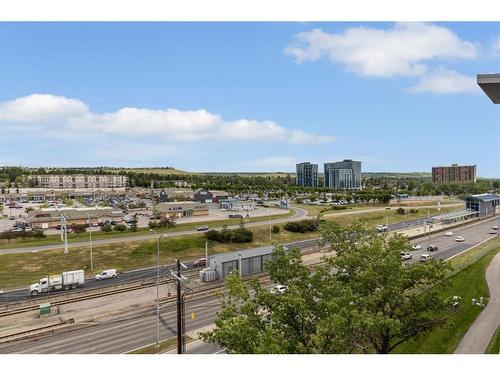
[[213, 96]]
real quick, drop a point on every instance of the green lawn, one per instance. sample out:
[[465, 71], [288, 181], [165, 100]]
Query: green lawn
[[125, 256], [494, 346], [468, 283], [54, 239]]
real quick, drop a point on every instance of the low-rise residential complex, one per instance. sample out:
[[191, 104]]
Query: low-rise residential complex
[[79, 181]]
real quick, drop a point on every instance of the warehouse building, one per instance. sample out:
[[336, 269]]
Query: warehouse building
[[177, 210], [250, 261], [202, 195], [483, 204]]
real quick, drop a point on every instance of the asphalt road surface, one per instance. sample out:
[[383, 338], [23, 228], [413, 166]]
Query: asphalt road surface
[[128, 333], [299, 215], [129, 276]]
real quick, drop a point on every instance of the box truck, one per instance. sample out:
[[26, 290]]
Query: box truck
[[66, 280]]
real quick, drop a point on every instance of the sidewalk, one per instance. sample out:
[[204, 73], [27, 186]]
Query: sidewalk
[[478, 336]]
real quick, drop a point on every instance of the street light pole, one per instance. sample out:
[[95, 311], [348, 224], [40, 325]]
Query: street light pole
[[90, 243], [158, 238]]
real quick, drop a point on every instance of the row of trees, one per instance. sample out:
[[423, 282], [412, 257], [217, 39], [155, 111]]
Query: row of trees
[[363, 300], [239, 235]]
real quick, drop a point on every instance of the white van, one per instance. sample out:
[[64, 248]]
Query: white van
[[106, 274], [425, 257]]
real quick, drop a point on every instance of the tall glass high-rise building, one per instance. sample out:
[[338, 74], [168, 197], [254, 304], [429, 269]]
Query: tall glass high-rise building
[[307, 175], [345, 174]]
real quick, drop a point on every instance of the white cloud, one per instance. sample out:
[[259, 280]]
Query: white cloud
[[54, 114], [41, 107], [399, 51], [445, 81]]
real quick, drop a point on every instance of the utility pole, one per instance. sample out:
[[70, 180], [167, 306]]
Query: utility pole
[[90, 239], [206, 253], [179, 309]]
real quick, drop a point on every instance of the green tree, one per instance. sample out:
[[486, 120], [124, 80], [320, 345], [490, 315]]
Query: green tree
[[362, 300], [106, 228]]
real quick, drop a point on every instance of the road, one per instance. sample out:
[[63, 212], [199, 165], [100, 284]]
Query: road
[[298, 215], [122, 335], [118, 336], [478, 336], [129, 276]]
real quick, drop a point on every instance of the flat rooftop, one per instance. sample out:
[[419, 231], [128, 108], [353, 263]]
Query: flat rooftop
[[490, 83]]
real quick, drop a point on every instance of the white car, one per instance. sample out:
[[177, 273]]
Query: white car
[[278, 289], [406, 255], [460, 239], [448, 234], [416, 247], [494, 227], [492, 231], [425, 257], [106, 274]]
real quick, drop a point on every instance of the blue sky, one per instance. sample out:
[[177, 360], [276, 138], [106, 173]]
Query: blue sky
[[248, 96]]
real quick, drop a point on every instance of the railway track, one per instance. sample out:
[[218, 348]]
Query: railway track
[[164, 302], [102, 293]]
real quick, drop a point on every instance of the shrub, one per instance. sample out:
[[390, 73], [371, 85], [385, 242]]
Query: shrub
[[120, 227], [275, 229], [79, 228], [152, 224], [400, 211], [309, 225], [38, 234], [241, 235], [133, 227], [106, 228]]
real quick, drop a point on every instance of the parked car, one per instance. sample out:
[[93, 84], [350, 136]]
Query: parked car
[[106, 274], [492, 231], [278, 289], [448, 234], [12, 218], [203, 228], [425, 257], [416, 247], [202, 262], [405, 255], [235, 216], [460, 239], [494, 227], [387, 208], [432, 248]]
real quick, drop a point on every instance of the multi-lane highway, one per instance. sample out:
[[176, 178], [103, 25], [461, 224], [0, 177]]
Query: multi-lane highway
[[130, 332]]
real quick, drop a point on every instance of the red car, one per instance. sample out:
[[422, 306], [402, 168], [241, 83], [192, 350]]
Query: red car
[[202, 262]]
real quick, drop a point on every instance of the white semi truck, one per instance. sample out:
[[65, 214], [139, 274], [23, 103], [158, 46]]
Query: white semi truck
[[66, 280]]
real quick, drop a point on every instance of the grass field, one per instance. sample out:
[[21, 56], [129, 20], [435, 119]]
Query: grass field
[[125, 256], [99, 235], [468, 283], [494, 346]]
